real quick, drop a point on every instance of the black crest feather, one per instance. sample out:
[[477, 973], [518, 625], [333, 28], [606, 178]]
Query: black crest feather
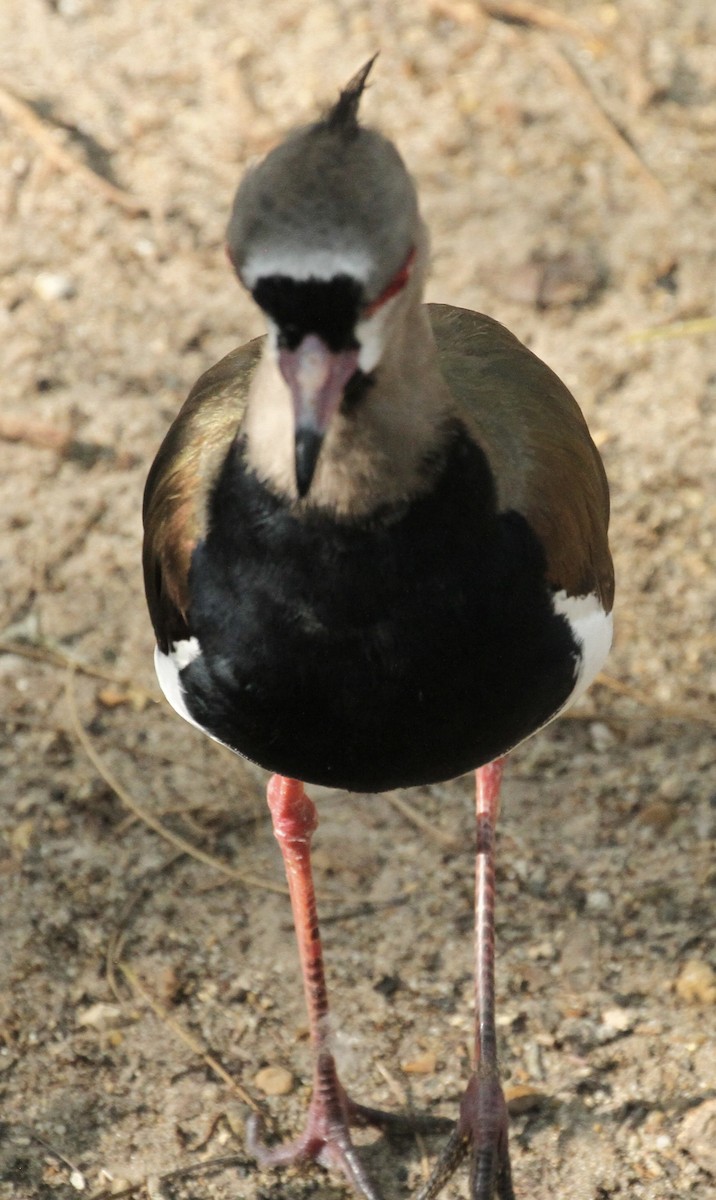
[[343, 117]]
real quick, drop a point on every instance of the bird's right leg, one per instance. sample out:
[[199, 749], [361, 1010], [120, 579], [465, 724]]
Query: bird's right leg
[[326, 1138]]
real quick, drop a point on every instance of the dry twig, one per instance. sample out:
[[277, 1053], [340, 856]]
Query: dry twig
[[696, 327], [58, 658], [448, 840], [115, 945], [516, 12], [24, 115], [677, 712], [603, 123], [525, 12], [201, 1168], [188, 1038], [77, 1178], [462, 12], [34, 433], [48, 437], [174, 839]]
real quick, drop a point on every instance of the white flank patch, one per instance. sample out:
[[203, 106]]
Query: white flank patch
[[592, 629], [185, 652], [168, 666], [302, 263]]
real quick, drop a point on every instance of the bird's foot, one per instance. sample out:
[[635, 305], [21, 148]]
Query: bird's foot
[[325, 1140], [481, 1131]]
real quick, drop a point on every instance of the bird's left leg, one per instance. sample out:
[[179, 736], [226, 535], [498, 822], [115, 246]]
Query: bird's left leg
[[481, 1128], [326, 1138]]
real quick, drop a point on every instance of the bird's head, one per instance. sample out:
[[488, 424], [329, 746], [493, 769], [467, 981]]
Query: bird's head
[[326, 235]]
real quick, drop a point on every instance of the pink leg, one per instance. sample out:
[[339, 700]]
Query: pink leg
[[482, 1124], [326, 1138]]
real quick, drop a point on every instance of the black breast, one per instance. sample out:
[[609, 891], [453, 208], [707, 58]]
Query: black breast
[[376, 655]]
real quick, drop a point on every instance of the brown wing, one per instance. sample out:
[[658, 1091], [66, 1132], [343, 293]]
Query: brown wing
[[179, 483], [537, 443]]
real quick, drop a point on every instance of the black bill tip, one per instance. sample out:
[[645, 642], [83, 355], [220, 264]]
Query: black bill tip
[[308, 447]]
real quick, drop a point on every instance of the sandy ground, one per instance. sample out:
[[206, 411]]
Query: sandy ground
[[545, 219]]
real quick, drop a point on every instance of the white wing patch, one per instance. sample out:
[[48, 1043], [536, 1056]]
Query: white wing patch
[[592, 630], [168, 666]]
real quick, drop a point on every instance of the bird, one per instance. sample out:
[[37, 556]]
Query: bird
[[375, 556]]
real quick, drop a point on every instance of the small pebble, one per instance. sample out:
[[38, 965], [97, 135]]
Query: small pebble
[[424, 1064], [696, 983], [671, 787], [117, 1184], [598, 901], [544, 950], [658, 815], [618, 1020], [602, 737], [522, 1098], [654, 1121], [145, 248], [274, 1081], [50, 286], [533, 1060], [21, 837], [100, 1016]]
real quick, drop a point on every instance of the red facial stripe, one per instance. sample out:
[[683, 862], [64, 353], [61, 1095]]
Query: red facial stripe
[[396, 285]]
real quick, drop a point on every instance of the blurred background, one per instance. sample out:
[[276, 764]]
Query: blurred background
[[565, 154]]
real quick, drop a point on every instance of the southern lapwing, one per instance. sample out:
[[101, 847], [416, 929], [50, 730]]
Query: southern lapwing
[[375, 555]]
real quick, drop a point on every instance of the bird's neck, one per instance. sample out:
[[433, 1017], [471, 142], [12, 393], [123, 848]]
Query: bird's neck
[[378, 451]]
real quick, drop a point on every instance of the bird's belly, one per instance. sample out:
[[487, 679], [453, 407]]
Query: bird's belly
[[367, 679]]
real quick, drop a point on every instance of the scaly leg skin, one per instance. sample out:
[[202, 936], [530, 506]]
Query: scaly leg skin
[[481, 1129], [326, 1138]]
